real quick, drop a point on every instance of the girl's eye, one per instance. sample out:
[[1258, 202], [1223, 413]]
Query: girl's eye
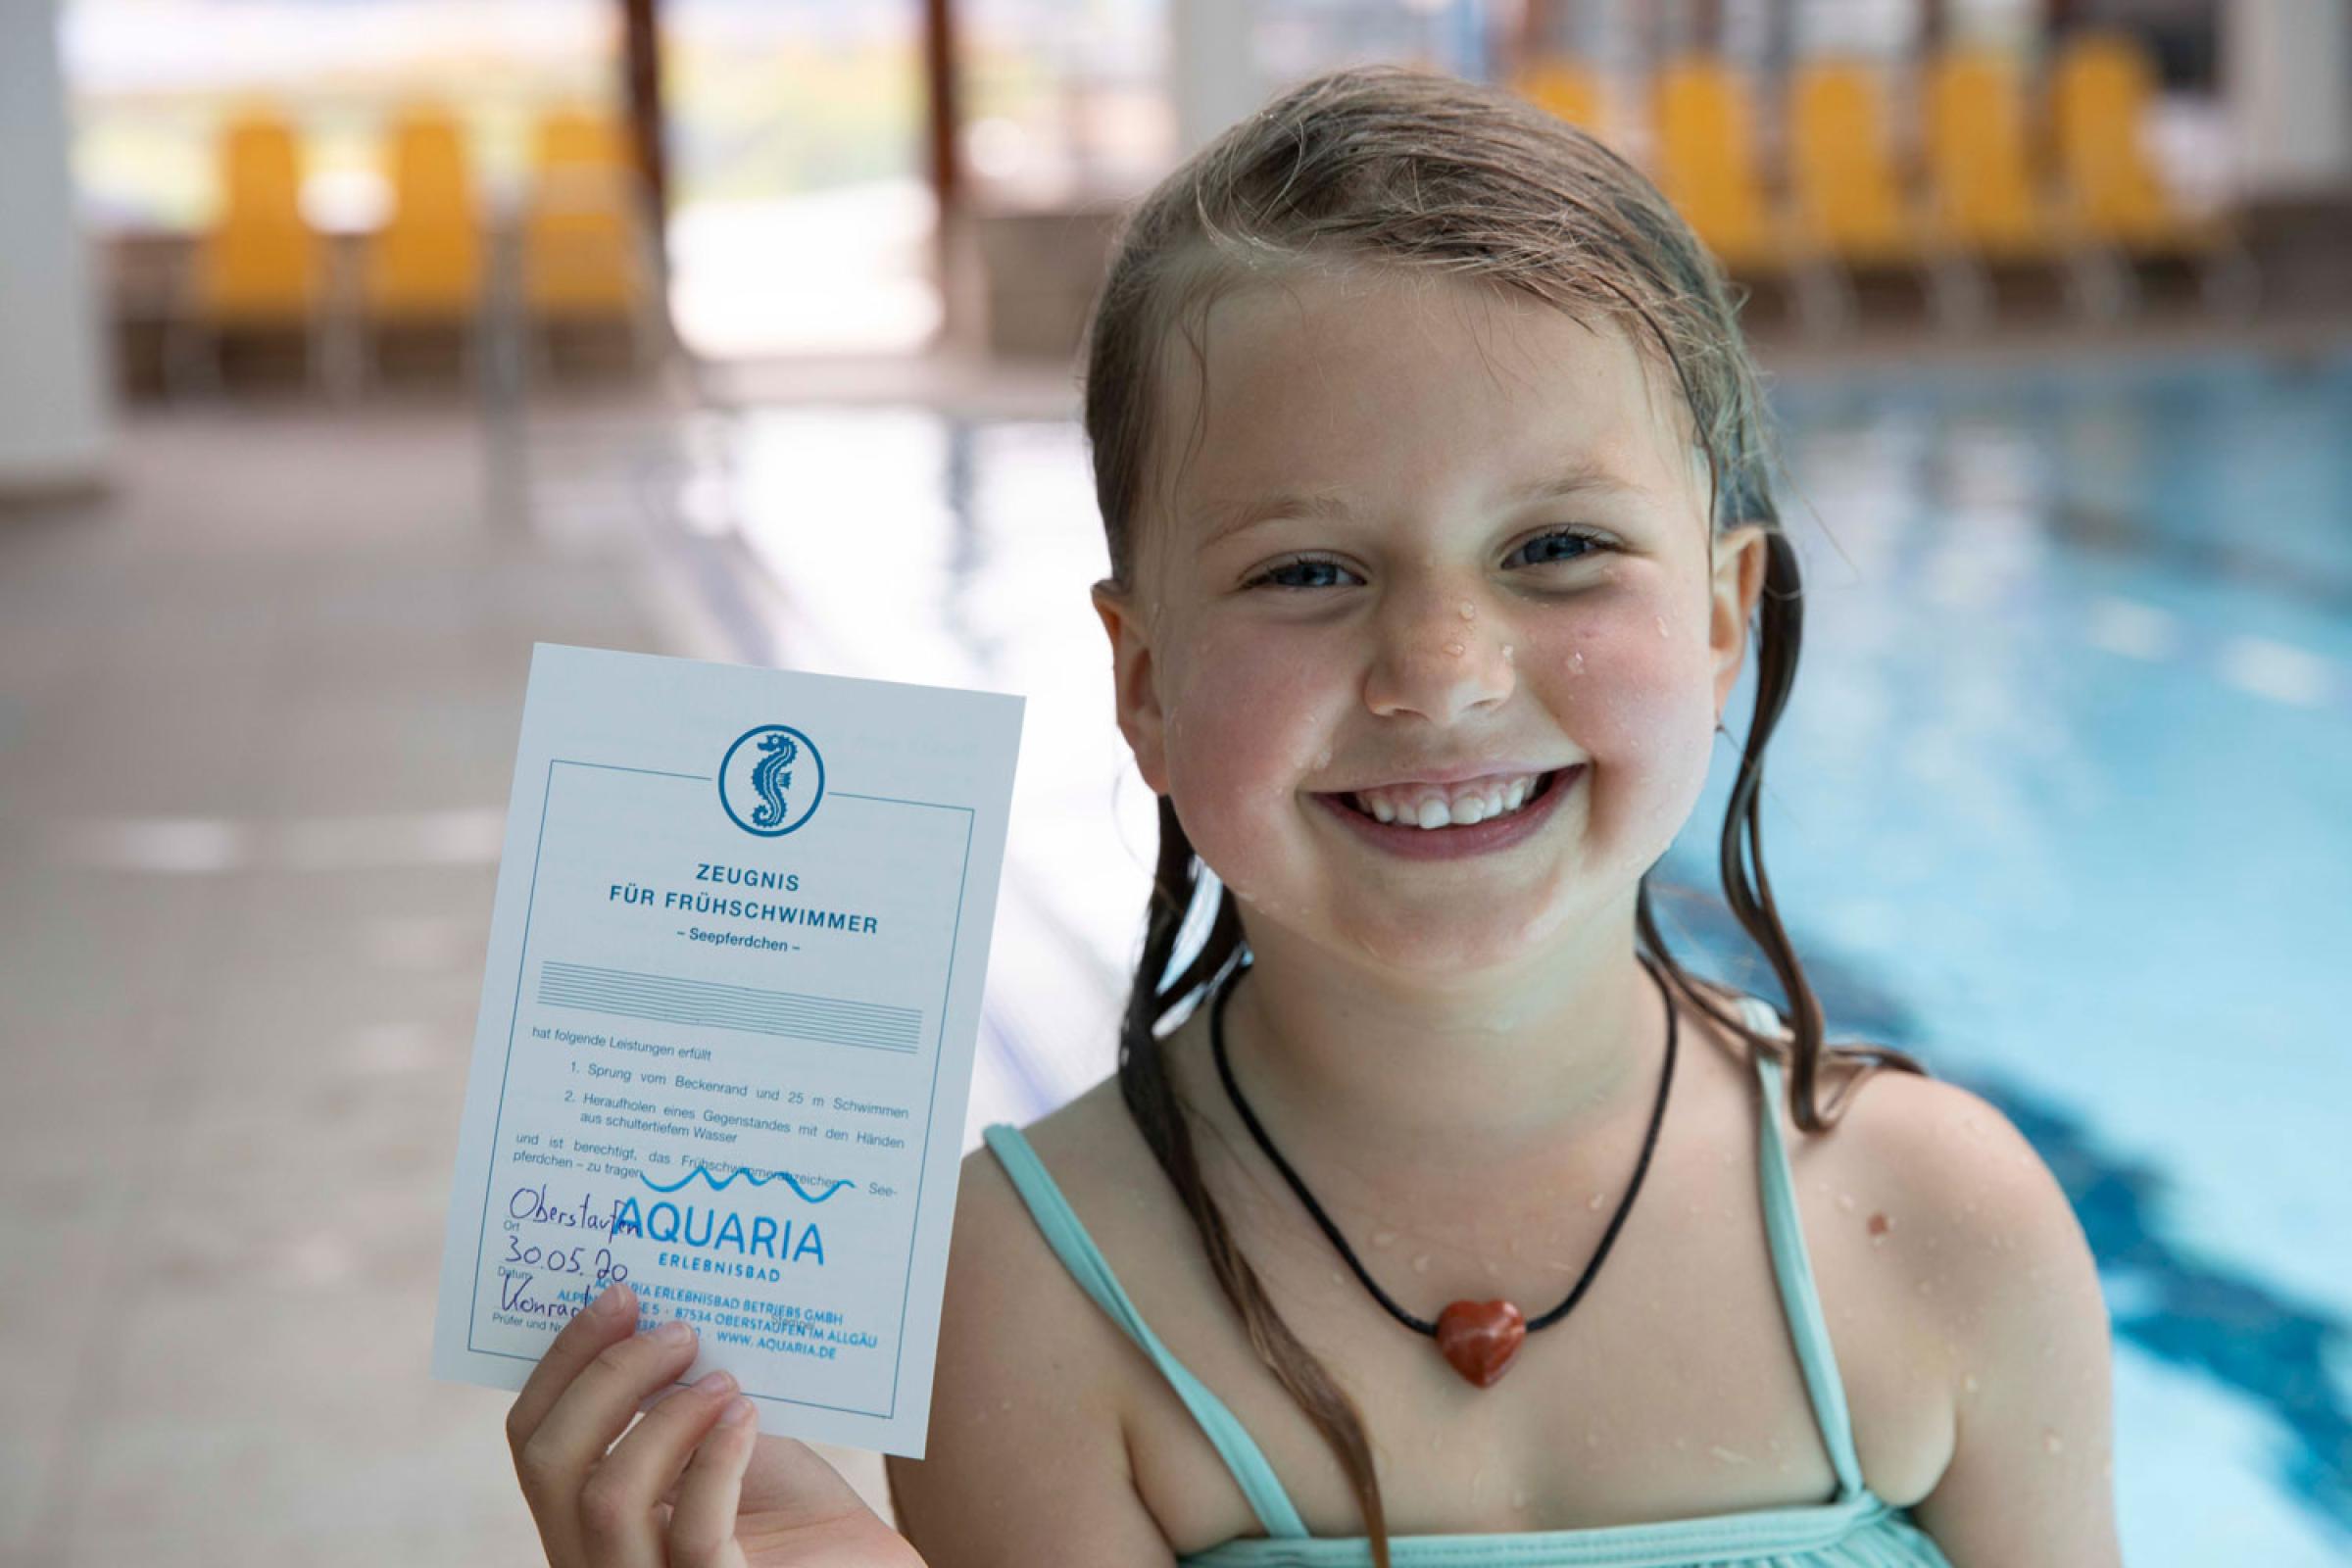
[[1546, 557], [1275, 576]]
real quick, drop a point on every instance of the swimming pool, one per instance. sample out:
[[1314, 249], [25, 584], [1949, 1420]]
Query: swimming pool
[[2062, 802]]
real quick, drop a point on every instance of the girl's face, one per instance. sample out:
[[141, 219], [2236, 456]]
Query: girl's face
[[1356, 579]]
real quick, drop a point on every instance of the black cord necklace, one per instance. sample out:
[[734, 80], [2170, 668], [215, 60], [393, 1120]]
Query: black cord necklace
[[1479, 1338]]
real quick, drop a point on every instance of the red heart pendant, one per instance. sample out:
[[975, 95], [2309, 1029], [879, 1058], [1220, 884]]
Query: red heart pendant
[[1480, 1338]]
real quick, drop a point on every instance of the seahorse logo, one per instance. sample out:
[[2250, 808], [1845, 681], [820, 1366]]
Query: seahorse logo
[[755, 780], [773, 777]]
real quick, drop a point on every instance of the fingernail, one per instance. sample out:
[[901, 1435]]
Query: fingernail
[[717, 1382], [609, 1302], [737, 1413], [673, 1332]]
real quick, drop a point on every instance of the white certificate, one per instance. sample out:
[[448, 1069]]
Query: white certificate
[[727, 1023]]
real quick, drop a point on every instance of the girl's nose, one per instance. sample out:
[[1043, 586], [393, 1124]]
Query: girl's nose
[[1438, 663]]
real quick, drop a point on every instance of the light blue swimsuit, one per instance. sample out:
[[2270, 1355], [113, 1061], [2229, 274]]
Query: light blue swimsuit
[[1857, 1529]]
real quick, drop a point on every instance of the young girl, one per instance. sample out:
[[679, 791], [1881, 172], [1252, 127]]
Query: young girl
[[1435, 477]]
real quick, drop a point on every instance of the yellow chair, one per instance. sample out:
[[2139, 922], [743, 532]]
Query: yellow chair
[[1985, 194], [2100, 93], [1846, 192], [583, 253], [260, 264], [425, 265], [1708, 164], [1556, 82], [574, 138]]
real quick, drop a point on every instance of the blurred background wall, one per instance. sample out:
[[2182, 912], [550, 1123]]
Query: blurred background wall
[[52, 427]]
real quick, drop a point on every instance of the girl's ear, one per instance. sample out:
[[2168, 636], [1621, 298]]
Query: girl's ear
[[1140, 718], [1740, 557]]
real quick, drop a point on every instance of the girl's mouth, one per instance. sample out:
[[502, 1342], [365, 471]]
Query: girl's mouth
[[1456, 840]]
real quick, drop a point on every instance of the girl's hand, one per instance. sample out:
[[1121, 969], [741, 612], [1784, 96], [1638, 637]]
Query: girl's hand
[[685, 1488]]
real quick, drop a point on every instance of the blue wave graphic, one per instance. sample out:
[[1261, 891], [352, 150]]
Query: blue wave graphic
[[783, 1176]]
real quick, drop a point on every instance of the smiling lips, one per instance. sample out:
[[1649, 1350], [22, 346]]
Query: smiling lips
[[1431, 837], [1435, 806]]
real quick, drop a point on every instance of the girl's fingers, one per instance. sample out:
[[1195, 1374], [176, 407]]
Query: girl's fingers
[[550, 1480], [610, 1318], [619, 1522], [702, 1524], [596, 1388]]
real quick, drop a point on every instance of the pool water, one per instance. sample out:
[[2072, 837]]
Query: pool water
[[2063, 802]]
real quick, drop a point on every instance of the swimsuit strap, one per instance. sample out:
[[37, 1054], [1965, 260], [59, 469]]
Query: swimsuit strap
[[1801, 1300], [1086, 1263]]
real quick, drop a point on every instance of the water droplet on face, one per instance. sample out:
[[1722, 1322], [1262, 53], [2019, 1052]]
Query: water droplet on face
[[1323, 758], [1383, 1238], [1493, 1271], [1469, 613], [1662, 631], [1576, 662], [1507, 657], [1724, 1455], [1421, 1264], [1594, 1202], [1845, 1201], [1455, 649]]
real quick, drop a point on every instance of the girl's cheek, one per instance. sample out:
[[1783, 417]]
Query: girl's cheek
[[1643, 710], [1232, 737], [1246, 735]]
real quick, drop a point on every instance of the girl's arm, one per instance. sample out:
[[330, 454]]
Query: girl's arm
[[1026, 1461], [2031, 1479]]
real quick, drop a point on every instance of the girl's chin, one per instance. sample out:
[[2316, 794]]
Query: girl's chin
[[1448, 949]]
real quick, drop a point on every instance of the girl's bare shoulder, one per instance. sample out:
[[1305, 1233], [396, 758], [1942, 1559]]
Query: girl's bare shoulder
[[1959, 1220], [1928, 1203], [1026, 1457], [1955, 1192]]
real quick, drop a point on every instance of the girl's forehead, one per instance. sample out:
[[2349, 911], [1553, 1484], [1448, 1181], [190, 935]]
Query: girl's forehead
[[1378, 387]]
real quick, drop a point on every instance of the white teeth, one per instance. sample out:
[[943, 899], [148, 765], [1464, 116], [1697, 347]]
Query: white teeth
[[1434, 811]]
